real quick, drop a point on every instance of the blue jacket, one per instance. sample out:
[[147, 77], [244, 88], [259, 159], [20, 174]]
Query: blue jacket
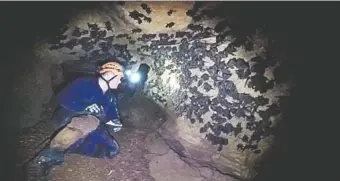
[[84, 92], [73, 100]]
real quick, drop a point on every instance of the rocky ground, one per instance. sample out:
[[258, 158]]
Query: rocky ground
[[144, 154], [129, 165]]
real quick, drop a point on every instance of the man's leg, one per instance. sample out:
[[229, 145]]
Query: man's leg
[[78, 128]]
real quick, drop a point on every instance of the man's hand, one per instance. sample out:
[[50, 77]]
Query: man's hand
[[94, 108], [115, 124]]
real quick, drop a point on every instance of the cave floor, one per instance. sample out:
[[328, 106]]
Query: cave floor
[[128, 165]]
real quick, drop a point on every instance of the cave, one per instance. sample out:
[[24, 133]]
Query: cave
[[226, 90]]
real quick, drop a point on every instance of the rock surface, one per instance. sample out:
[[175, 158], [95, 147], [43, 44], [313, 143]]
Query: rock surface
[[32, 92], [141, 112], [129, 165], [167, 164]]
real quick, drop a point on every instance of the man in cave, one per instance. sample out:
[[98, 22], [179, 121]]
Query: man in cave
[[86, 114]]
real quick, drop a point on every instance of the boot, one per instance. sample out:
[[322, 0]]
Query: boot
[[39, 168]]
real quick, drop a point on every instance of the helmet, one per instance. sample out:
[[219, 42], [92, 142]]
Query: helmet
[[113, 67]]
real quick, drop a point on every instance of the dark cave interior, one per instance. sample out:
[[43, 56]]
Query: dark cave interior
[[301, 28]]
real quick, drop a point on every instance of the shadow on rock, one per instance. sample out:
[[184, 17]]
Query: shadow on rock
[[141, 113]]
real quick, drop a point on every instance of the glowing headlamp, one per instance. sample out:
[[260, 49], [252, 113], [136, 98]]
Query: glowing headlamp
[[133, 77]]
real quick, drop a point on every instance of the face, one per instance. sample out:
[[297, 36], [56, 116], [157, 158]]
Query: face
[[112, 81]]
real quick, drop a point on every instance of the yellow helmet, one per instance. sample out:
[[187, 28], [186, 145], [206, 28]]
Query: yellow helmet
[[113, 67]]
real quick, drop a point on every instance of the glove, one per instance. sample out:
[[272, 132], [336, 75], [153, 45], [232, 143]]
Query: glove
[[94, 109], [115, 124]]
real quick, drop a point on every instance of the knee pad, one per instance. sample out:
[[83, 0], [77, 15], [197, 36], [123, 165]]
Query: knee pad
[[78, 128], [84, 123]]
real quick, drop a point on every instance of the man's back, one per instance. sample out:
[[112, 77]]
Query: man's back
[[83, 92]]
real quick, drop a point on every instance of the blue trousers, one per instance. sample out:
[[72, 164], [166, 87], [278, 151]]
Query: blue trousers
[[99, 143]]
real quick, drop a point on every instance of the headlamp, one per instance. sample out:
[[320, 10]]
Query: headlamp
[[133, 77]]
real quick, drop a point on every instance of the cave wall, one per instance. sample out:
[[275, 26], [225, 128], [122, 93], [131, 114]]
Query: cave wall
[[224, 88]]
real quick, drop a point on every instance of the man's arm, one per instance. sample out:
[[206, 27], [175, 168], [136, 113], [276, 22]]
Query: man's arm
[[112, 112], [73, 97], [113, 118]]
